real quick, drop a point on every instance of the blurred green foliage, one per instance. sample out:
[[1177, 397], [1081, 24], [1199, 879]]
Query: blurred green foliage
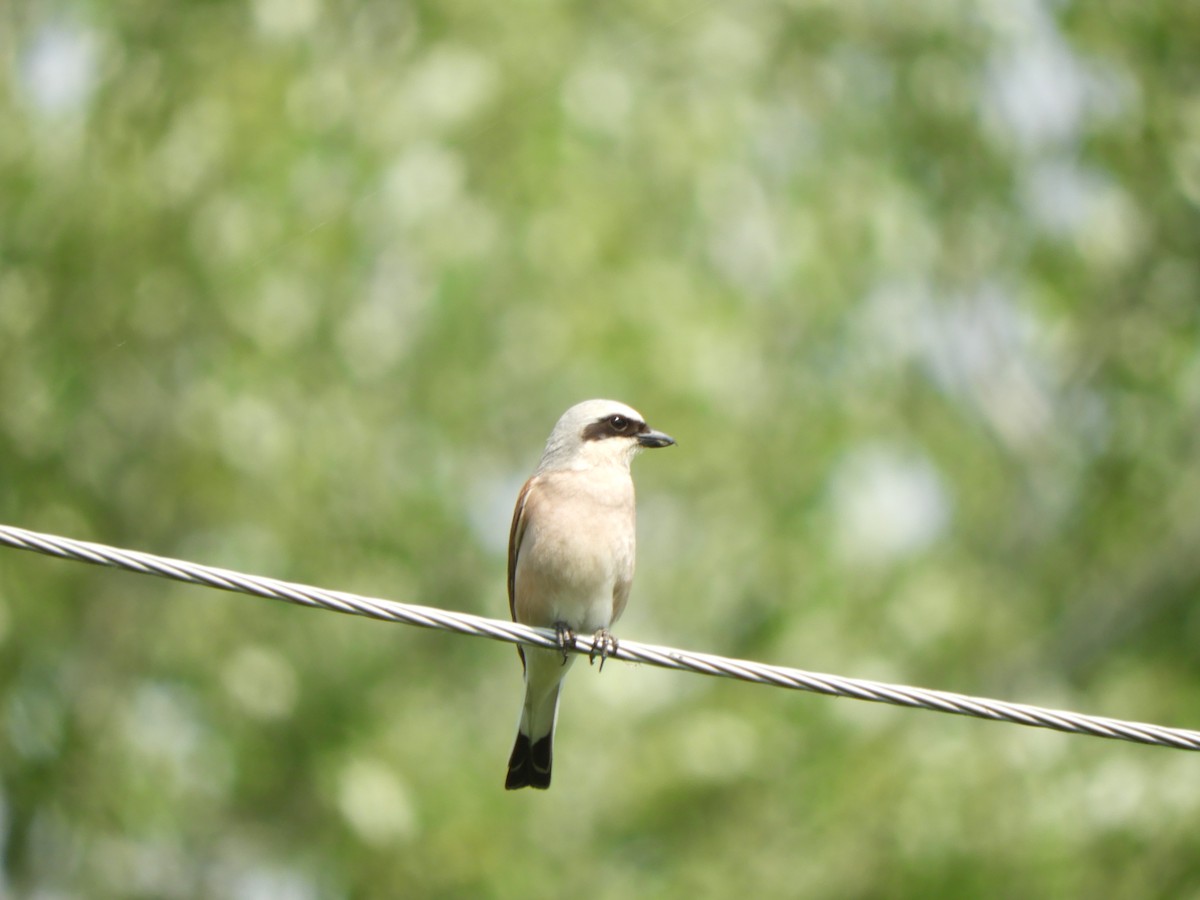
[[300, 286]]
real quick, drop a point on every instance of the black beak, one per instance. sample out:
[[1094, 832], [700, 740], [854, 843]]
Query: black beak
[[655, 439]]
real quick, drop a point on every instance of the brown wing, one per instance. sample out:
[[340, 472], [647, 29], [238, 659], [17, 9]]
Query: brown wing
[[515, 535]]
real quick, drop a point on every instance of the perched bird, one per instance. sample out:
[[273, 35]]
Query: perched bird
[[570, 559]]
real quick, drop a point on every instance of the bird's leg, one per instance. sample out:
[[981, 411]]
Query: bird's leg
[[566, 639], [603, 645]]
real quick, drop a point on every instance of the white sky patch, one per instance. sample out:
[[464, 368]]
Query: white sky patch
[[1060, 195], [744, 241], [887, 504], [492, 497], [58, 70], [985, 348], [992, 354], [1037, 91]]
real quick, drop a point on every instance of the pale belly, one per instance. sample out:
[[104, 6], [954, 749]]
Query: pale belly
[[571, 575]]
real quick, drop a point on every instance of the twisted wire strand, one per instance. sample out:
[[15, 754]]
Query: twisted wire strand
[[627, 650]]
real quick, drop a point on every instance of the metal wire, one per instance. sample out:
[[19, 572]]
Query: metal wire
[[627, 650]]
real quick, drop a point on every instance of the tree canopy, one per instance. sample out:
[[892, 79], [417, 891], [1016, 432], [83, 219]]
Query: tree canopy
[[300, 286]]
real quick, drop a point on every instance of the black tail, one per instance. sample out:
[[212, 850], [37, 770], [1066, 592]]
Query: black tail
[[529, 765]]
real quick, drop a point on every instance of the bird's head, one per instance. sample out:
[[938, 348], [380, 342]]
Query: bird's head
[[599, 433]]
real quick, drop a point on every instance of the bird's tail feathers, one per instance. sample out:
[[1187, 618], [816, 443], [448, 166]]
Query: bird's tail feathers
[[533, 752]]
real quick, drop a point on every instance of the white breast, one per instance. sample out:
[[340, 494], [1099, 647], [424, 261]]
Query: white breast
[[579, 544]]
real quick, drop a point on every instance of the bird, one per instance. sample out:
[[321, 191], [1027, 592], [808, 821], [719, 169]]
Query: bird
[[570, 560]]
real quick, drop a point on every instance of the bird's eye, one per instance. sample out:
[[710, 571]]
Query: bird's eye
[[619, 423]]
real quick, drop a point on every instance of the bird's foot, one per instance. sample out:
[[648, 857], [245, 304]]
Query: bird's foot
[[566, 639], [603, 645]]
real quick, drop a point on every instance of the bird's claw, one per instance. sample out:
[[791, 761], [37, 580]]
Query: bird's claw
[[566, 639], [603, 645]]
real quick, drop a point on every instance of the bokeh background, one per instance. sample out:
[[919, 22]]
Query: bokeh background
[[300, 286]]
